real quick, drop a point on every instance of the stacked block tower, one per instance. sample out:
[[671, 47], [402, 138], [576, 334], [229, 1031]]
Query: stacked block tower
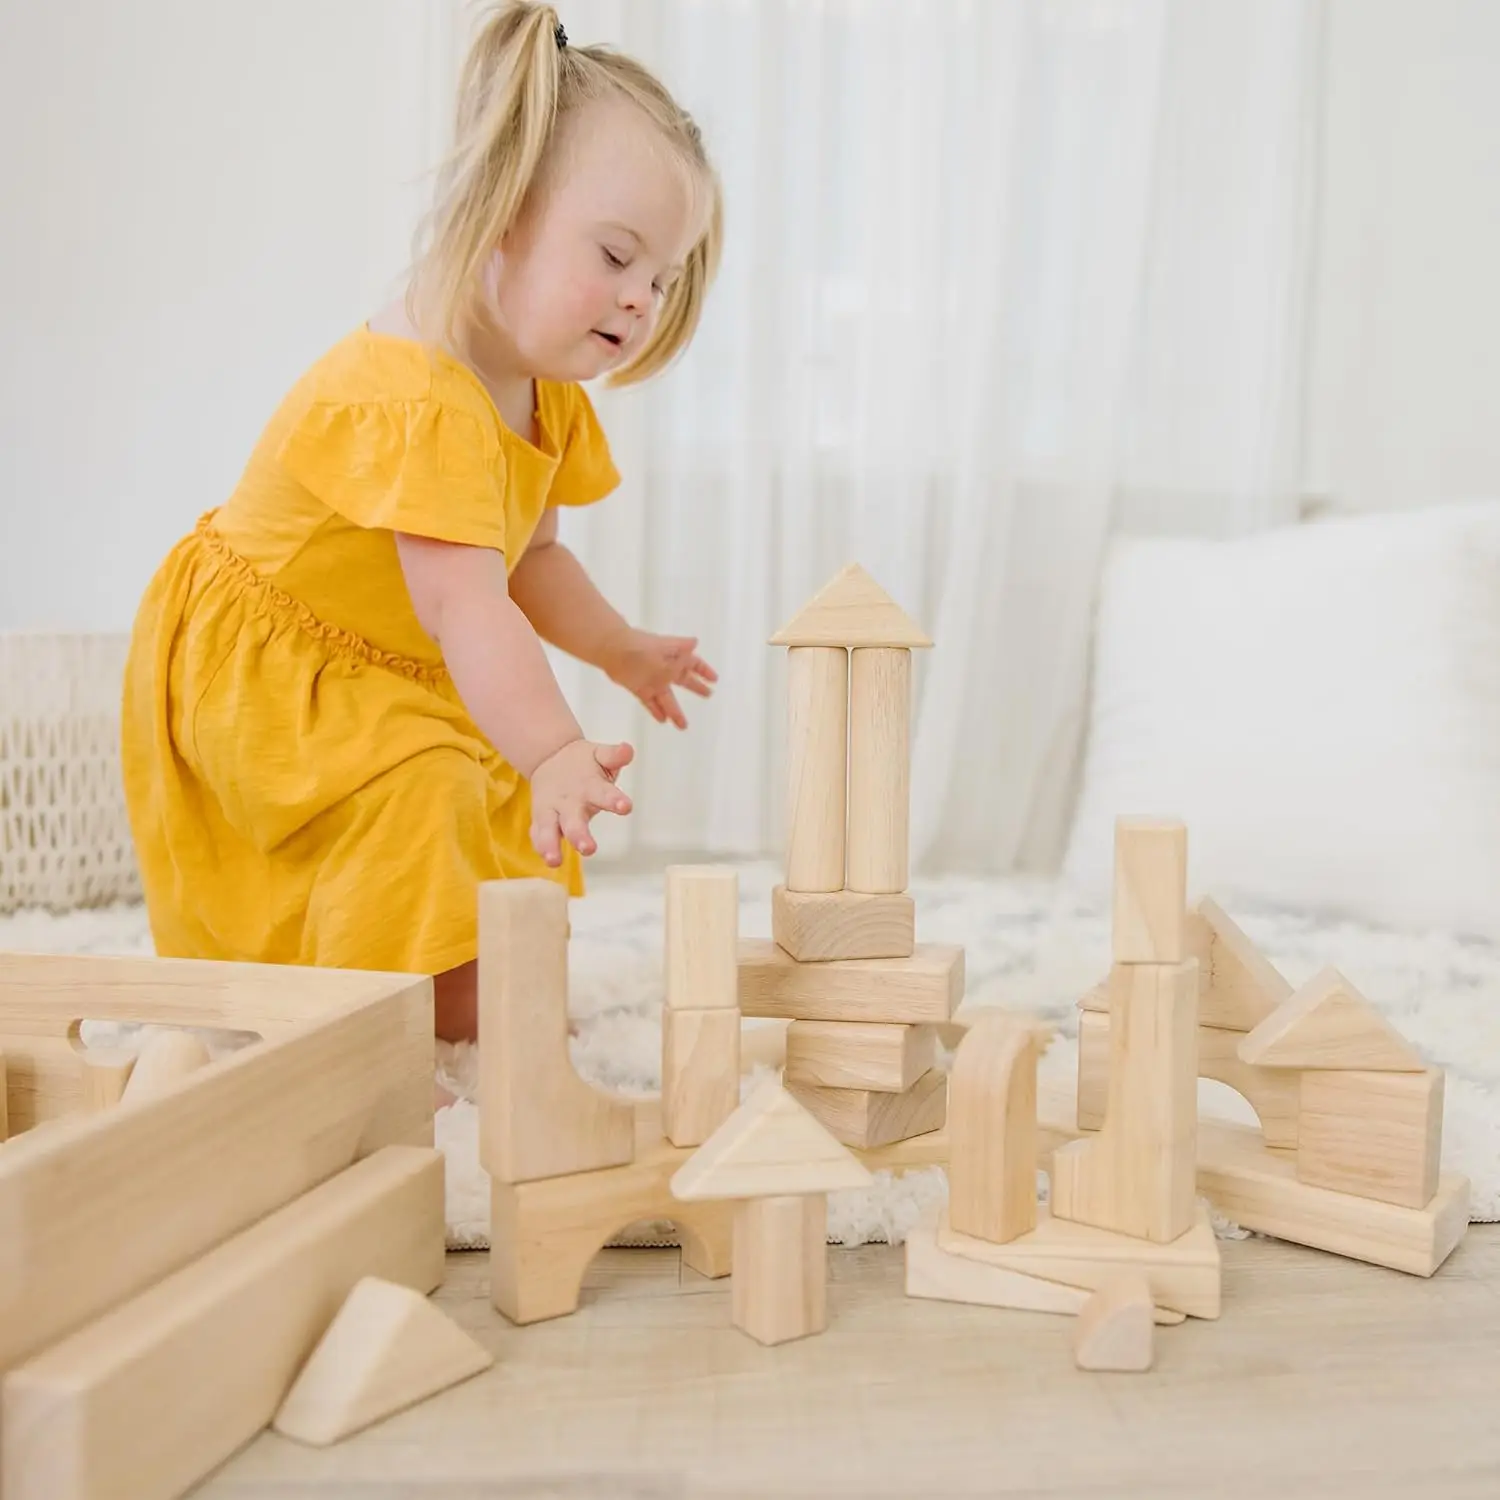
[[863, 997]]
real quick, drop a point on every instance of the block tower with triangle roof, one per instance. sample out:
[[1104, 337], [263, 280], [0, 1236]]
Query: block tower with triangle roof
[[863, 997]]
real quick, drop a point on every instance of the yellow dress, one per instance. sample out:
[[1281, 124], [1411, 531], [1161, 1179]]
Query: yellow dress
[[303, 781]]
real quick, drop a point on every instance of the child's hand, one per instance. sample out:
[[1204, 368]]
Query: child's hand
[[568, 788], [650, 666]]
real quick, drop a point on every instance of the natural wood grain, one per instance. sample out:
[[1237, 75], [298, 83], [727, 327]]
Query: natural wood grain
[[851, 609], [1149, 904], [1329, 1024], [881, 1055], [814, 926], [701, 934], [817, 732], [879, 769], [922, 989]]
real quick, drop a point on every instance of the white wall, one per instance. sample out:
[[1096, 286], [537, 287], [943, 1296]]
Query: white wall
[[1404, 375], [196, 199]]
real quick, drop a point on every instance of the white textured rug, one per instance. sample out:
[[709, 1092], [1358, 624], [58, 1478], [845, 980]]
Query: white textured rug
[[1030, 944]]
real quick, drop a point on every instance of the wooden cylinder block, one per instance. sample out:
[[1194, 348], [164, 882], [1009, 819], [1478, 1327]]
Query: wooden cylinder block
[[817, 741], [879, 768], [165, 1057]]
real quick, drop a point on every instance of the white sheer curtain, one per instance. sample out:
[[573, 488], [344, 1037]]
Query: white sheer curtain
[[1001, 277]]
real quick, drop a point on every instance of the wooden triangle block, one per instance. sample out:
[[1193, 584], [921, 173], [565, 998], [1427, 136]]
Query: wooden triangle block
[[386, 1349], [1329, 1025], [769, 1147], [1114, 1331], [851, 609]]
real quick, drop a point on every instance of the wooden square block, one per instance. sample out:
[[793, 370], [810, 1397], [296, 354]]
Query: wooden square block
[[920, 990], [701, 931], [1377, 1135], [879, 1055], [1150, 891], [814, 926], [863, 1118], [700, 1072]]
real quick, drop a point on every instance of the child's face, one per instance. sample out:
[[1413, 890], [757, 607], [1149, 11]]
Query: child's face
[[582, 278]]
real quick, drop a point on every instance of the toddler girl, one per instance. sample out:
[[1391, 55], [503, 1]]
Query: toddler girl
[[338, 714]]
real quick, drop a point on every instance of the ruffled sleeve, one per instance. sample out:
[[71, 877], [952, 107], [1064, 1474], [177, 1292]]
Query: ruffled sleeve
[[419, 466], [586, 472]]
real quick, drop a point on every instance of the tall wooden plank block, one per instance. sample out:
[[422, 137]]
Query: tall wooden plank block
[[817, 763], [1377, 1135], [879, 768], [1150, 891], [700, 1072], [1137, 1175], [702, 937], [537, 1117], [779, 1289]]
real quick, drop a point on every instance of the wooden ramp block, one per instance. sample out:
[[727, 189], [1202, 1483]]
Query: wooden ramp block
[[387, 1348], [1377, 1135], [1115, 1332], [544, 1233], [879, 768], [851, 609], [866, 1119], [152, 1396], [702, 930], [165, 1056], [924, 989], [104, 1072], [1328, 1024], [814, 926], [1185, 1275], [1150, 891], [779, 1286], [992, 1130], [537, 1117], [817, 729], [700, 1072], [1136, 1175], [885, 1057]]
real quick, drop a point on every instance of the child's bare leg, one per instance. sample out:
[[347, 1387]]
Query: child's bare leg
[[456, 1003]]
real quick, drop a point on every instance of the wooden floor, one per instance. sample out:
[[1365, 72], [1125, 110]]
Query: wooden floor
[[1324, 1379]]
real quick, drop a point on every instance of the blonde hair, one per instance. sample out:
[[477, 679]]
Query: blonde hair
[[520, 80]]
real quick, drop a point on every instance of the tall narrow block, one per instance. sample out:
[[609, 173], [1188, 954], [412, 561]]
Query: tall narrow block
[[702, 937], [1137, 1175], [879, 768], [817, 740], [700, 1072], [778, 1289], [1150, 891]]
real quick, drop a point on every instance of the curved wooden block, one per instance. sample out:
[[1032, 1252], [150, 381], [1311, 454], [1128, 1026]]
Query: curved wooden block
[[537, 1117], [992, 1132]]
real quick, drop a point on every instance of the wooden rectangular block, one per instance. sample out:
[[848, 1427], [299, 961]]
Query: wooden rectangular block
[[880, 1055], [1377, 1135], [879, 768], [700, 1072], [702, 937], [779, 1289], [814, 926], [924, 989], [1150, 891], [863, 1118], [148, 1399]]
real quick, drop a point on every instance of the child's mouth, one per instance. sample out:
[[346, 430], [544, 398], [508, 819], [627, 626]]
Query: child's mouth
[[611, 339]]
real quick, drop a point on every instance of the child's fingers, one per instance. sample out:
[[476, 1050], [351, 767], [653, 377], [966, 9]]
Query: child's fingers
[[575, 827], [546, 837], [605, 796], [672, 708], [654, 708]]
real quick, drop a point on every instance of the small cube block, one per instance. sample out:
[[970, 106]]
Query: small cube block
[[702, 937], [815, 926], [1150, 891], [886, 1057]]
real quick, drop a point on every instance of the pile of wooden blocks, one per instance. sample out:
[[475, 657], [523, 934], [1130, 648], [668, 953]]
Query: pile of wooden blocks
[[864, 998], [194, 1249]]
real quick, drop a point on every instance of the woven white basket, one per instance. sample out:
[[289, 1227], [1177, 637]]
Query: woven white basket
[[64, 837]]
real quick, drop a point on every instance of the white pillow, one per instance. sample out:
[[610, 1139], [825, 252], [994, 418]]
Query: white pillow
[[1320, 704]]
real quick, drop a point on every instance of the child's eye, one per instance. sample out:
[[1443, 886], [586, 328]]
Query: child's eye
[[613, 259]]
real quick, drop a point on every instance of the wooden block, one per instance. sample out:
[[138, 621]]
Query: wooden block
[[1136, 1175], [4, 1101], [1115, 1332], [544, 1233], [387, 1348], [1150, 891], [149, 1398], [814, 926], [864, 1118], [1258, 1189], [702, 930], [537, 1117], [770, 1147], [992, 1130], [1328, 1024], [851, 609], [1093, 1067], [1378, 1135], [817, 739], [938, 1275], [921, 990], [1242, 986], [778, 1288], [165, 1057], [879, 768], [700, 1072], [105, 1072], [883, 1056], [1184, 1275]]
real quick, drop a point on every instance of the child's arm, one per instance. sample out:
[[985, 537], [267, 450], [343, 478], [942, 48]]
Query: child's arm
[[502, 674]]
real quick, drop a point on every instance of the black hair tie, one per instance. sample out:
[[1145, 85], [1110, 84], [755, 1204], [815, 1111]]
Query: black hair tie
[[560, 35]]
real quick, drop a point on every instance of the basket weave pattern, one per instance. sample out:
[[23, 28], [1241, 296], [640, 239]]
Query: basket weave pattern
[[64, 836]]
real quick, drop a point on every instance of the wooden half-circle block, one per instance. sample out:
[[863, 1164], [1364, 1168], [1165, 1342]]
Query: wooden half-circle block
[[1115, 1330], [1328, 1024], [165, 1057], [387, 1348]]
